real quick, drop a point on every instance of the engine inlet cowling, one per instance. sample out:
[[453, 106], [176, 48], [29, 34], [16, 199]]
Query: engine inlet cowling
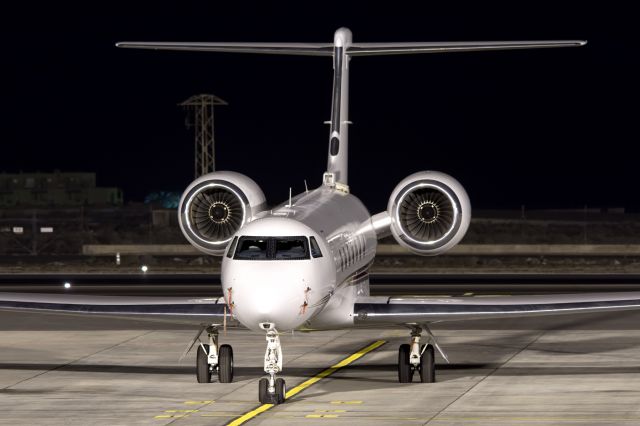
[[216, 212], [430, 212], [215, 206]]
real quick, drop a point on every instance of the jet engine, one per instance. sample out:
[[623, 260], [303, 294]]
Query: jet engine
[[215, 206], [430, 212]]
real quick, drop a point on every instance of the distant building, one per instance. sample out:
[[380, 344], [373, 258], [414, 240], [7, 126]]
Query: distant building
[[55, 189], [164, 199]]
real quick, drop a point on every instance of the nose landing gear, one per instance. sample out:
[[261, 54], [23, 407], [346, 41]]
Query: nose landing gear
[[212, 358], [272, 390]]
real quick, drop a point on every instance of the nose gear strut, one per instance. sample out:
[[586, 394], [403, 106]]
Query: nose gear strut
[[272, 390]]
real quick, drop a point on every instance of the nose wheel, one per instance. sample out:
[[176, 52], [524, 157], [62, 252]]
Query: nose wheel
[[272, 390], [212, 358], [277, 397]]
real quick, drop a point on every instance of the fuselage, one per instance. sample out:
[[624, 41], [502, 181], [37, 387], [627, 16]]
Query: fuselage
[[301, 265]]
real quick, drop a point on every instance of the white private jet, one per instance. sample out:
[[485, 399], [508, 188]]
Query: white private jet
[[304, 264]]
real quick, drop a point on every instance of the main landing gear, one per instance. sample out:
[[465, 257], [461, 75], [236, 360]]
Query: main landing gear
[[272, 390], [212, 359], [415, 358]]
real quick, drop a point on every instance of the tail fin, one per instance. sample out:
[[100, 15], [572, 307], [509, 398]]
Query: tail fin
[[342, 49]]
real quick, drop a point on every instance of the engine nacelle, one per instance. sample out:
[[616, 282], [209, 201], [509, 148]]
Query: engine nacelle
[[215, 206], [430, 212]]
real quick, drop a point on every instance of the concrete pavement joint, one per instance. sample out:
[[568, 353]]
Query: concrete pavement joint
[[485, 377], [79, 359]]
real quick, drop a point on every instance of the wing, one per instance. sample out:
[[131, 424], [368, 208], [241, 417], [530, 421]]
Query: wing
[[406, 310], [159, 309]]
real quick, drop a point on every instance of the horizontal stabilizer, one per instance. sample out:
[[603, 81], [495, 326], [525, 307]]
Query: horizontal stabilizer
[[370, 49], [354, 49], [307, 49]]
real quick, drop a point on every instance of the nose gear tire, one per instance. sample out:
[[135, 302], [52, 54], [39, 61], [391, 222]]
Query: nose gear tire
[[263, 392], [281, 391]]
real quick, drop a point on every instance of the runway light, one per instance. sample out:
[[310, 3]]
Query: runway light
[[67, 285], [144, 268]]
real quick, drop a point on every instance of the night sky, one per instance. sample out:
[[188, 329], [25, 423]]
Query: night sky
[[551, 128]]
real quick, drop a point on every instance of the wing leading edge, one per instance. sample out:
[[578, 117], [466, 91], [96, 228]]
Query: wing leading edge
[[406, 310], [158, 309]]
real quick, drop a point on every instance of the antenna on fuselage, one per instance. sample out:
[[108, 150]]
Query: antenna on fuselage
[[289, 205], [306, 188]]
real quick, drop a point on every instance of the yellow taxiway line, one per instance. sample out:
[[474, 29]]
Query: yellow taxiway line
[[313, 380]]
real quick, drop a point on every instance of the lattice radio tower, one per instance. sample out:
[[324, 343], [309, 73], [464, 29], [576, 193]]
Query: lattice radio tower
[[200, 116]]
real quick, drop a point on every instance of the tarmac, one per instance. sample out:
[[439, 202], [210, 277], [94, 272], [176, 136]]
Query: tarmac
[[582, 369]]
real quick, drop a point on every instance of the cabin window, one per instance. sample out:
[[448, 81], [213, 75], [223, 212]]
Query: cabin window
[[315, 248]]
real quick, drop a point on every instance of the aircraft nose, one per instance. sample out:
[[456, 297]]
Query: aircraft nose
[[266, 299], [277, 296]]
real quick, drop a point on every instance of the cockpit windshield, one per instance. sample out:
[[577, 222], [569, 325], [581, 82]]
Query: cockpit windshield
[[291, 248], [252, 248], [272, 248]]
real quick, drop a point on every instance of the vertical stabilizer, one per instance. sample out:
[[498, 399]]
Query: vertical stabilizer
[[338, 155]]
